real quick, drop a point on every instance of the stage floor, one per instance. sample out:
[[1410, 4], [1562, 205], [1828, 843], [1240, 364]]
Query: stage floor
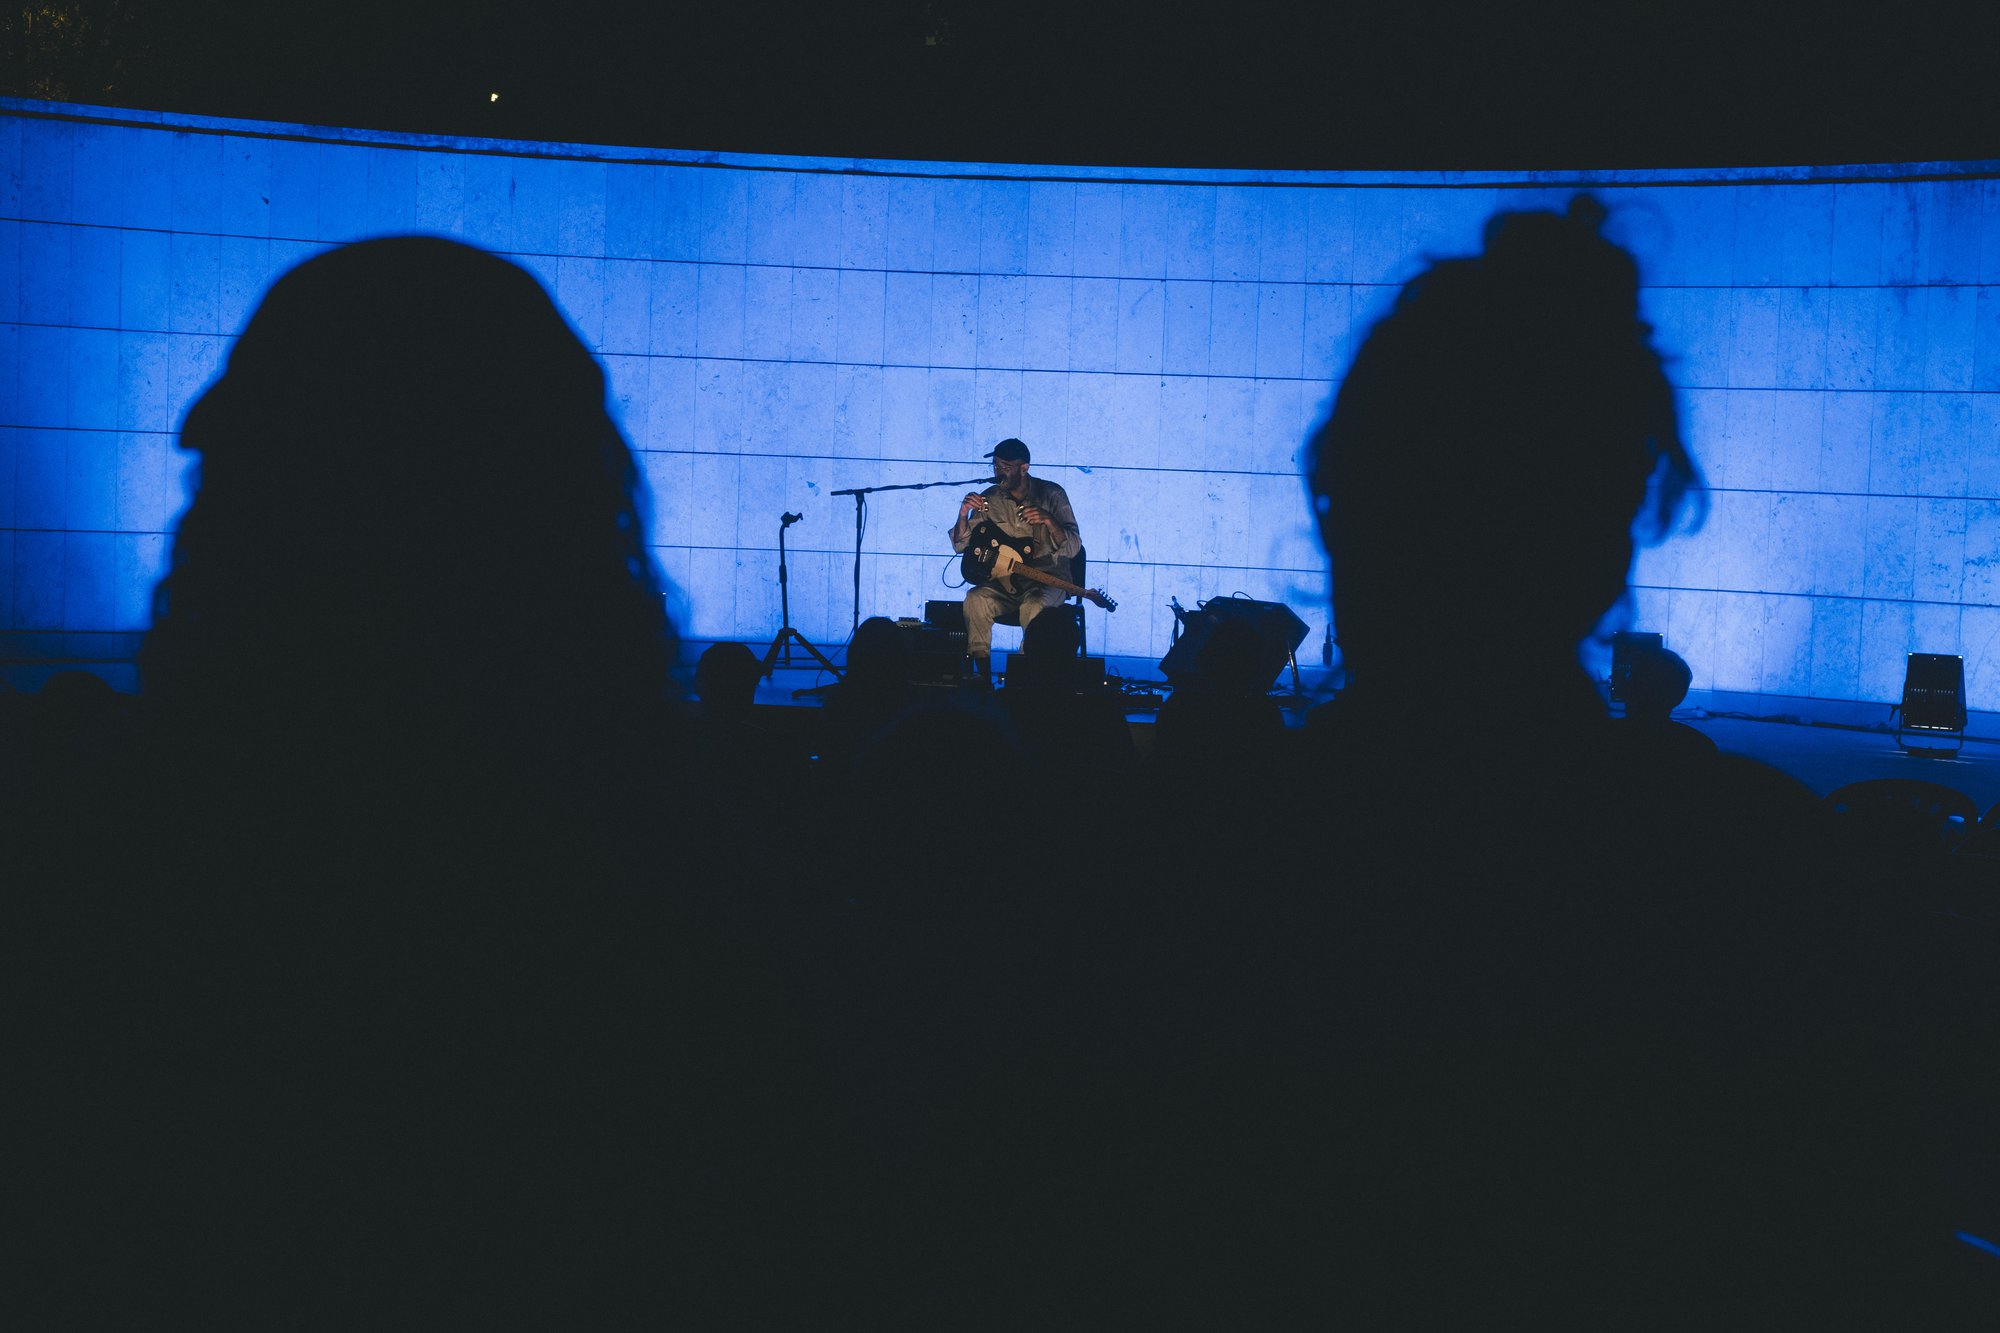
[[1822, 757], [1825, 757]]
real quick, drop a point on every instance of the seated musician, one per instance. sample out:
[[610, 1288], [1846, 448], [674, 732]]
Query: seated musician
[[1031, 510]]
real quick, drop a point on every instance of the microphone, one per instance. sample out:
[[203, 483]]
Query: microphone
[[786, 520]]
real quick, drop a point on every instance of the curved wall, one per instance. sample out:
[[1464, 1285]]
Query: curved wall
[[776, 329]]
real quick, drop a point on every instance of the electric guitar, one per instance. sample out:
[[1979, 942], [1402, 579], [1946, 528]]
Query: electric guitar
[[991, 554]]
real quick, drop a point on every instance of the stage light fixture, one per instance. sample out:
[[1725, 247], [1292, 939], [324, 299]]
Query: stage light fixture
[[1933, 699]]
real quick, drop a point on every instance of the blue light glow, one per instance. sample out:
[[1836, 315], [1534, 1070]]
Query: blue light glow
[[1165, 341], [1978, 1243]]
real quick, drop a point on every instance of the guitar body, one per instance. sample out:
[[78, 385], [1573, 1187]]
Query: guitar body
[[994, 556], [991, 555]]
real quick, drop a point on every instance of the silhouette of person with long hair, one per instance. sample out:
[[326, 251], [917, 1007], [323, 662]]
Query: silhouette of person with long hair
[[407, 993], [413, 514], [1594, 1025]]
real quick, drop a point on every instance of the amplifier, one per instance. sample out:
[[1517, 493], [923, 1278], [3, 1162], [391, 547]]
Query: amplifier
[[936, 656], [1277, 628], [1625, 645], [1082, 674]]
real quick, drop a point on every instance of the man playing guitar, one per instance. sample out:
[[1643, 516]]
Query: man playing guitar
[[1024, 507]]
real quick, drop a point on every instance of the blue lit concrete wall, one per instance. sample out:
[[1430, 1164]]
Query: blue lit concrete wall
[[1838, 354], [777, 329]]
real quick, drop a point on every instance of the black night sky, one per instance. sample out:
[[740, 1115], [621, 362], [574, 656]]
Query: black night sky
[[1250, 84]]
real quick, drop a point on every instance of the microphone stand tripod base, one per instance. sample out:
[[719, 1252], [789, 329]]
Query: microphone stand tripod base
[[783, 644]]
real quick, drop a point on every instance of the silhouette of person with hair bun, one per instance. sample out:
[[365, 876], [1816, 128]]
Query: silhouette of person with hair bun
[[1481, 1017], [1585, 1016], [1501, 433]]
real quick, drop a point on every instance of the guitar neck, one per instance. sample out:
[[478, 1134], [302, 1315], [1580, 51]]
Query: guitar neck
[[992, 554], [1024, 571]]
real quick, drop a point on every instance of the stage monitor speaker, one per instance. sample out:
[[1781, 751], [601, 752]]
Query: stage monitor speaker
[[1278, 629]]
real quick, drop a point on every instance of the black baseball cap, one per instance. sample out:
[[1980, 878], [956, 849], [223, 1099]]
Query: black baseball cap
[[1008, 450]]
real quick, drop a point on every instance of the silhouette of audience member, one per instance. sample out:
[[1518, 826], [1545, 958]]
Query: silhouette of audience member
[[414, 514], [1050, 656], [937, 820], [1475, 478], [77, 731], [1220, 724], [413, 581], [874, 688], [932, 759], [725, 680], [403, 994], [1585, 1011], [17, 712], [1066, 720], [745, 759], [1656, 685]]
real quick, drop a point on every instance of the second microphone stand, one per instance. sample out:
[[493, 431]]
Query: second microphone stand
[[780, 652]]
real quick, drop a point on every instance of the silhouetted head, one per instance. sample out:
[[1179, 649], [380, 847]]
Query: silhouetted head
[[1503, 436], [1051, 636], [897, 767], [726, 678], [76, 693], [877, 655], [411, 495], [1657, 683]]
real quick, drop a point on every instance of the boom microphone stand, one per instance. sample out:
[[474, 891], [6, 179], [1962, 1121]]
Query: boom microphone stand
[[861, 494], [780, 652]]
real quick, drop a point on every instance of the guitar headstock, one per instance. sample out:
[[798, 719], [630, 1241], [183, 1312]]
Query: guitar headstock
[[1098, 597]]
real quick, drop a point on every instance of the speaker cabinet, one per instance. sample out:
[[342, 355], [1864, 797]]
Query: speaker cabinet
[[1277, 629], [936, 656], [1626, 645]]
